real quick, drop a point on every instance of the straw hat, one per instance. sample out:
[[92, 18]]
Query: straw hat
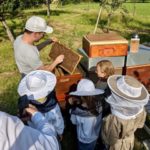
[[86, 87], [127, 87], [37, 84]]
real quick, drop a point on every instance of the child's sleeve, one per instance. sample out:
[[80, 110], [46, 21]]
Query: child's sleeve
[[14, 135], [59, 122], [110, 130], [41, 123], [73, 118]]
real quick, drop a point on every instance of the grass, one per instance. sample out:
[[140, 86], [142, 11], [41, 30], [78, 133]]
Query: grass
[[71, 22]]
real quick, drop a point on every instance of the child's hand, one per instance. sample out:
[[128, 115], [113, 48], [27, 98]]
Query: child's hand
[[31, 110], [70, 101]]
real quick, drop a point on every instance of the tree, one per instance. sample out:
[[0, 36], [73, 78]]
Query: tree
[[114, 5], [111, 6], [102, 4], [48, 2], [7, 7]]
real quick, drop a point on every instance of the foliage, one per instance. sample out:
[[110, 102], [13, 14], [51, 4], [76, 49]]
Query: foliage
[[8, 9], [113, 6], [8, 6], [30, 3], [64, 2]]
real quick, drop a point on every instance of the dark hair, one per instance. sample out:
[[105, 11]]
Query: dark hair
[[90, 102], [27, 31]]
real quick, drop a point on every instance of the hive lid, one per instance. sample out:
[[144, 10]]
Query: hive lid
[[105, 38], [71, 59]]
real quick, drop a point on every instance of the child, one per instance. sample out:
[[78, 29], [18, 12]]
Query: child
[[84, 114], [104, 69], [37, 89], [14, 135], [127, 112]]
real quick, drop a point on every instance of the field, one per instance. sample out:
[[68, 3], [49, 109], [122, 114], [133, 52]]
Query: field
[[71, 22]]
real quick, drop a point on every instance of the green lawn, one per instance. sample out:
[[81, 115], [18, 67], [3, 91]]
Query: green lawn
[[71, 22]]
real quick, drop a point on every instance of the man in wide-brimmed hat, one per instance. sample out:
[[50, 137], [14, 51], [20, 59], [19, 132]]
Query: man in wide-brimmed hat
[[127, 100]]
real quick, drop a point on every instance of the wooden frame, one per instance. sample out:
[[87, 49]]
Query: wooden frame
[[71, 59]]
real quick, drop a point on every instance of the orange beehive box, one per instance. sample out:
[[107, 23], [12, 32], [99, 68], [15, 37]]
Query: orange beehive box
[[105, 44], [141, 72], [65, 82]]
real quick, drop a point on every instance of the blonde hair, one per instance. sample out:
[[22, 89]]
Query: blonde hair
[[106, 67]]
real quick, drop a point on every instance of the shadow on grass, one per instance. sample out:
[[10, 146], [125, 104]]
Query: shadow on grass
[[8, 100], [43, 12], [17, 27], [11, 105]]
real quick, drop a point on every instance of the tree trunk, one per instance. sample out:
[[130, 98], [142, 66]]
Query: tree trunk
[[48, 7], [109, 20], [99, 15], [8, 31], [134, 8]]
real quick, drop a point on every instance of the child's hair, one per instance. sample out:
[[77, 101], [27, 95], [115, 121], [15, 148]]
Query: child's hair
[[90, 102], [107, 67]]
